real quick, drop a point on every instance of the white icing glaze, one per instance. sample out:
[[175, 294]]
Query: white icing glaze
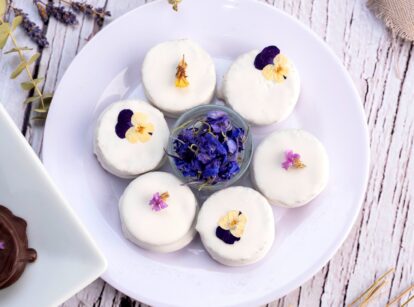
[[122, 158], [166, 230], [258, 234], [158, 76], [292, 187], [258, 100]]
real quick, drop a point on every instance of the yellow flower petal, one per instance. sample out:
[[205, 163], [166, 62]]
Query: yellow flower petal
[[132, 135], [149, 128], [238, 230], [280, 59], [139, 119], [144, 137], [226, 220], [268, 72]]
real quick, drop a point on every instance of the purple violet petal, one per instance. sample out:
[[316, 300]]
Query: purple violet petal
[[265, 57], [124, 123], [225, 236]]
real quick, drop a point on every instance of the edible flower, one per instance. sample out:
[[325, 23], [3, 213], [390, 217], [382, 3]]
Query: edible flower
[[134, 126], [278, 71], [158, 201], [231, 226], [266, 57], [2, 246], [292, 160], [209, 150], [180, 76]]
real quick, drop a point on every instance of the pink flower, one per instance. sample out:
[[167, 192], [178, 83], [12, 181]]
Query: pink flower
[[157, 201], [292, 160]]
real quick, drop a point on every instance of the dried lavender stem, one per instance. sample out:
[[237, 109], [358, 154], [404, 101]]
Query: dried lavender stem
[[408, 301], [399, 296], [372, 294], [68, 2], [371, 287]]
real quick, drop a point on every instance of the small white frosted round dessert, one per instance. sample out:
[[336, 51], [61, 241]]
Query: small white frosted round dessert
[[177, 76], [130, 138], [263, 87], [158, 212], [236, 226], [290, 168]]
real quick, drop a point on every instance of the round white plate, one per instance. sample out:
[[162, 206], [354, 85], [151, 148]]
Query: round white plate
[[108, 69]]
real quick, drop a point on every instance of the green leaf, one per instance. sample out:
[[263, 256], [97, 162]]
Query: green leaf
[[3, 39], [31, 99], [16, 22], [47, 95], [3, 8], [38, 118], [18, 70], [40, 110], [18, 49], [5, 27], [33, 58], [27, 86]]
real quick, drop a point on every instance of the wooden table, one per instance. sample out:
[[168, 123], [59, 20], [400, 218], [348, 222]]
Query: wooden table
[[382, 68]]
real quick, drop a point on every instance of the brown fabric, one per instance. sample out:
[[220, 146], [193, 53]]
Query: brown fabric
[[398, 15]]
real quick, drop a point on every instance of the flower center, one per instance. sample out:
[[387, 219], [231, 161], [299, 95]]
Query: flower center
[[164, 196], [140, 129]]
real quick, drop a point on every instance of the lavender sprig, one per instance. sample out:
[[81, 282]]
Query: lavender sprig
[[61, 14], [32, 30], [98, 13]]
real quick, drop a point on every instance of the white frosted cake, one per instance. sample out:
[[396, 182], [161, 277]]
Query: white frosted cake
[[290, 167], [130, 138], [263, 87], [236, 226], [178, 75], [158, 212]]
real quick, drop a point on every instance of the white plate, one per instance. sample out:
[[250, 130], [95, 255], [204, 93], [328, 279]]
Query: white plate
[[108, 69], [67, 258]]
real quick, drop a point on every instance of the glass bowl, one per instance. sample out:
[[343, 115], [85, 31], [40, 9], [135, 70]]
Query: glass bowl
[[188, 118]]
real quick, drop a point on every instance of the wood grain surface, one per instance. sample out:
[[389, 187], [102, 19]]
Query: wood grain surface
[[382, 68]]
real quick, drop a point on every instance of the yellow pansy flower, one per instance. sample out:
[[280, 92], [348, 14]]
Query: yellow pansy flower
[[277, 71], [234, 221], [141, 129]]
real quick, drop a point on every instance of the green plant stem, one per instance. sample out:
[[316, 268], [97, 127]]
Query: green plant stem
[[29, 73]]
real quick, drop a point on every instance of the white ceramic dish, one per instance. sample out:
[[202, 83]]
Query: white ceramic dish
[[108, 69], [68, 259]]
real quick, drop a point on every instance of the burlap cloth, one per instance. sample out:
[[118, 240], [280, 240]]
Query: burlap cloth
[[398, 15]]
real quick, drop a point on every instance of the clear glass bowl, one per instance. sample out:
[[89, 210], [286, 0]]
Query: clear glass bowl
[[236, 120]]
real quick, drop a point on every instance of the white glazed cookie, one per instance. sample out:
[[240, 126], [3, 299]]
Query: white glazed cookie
[[162, 222], [159, 76], [130, 138], [266, 95], [290, 168], [236, 226]]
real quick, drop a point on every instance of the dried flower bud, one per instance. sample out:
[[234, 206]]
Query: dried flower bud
[[61, 14], [181, 77], [32, 30]]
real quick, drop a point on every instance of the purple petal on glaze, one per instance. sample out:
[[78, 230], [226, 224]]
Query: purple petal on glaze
[[265, 57], [225, 236], [124, 123]]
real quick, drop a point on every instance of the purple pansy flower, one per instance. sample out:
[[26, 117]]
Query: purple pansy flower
[[123, 123], [2, 245], [292, 160], [157, 201], [265, 57]]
